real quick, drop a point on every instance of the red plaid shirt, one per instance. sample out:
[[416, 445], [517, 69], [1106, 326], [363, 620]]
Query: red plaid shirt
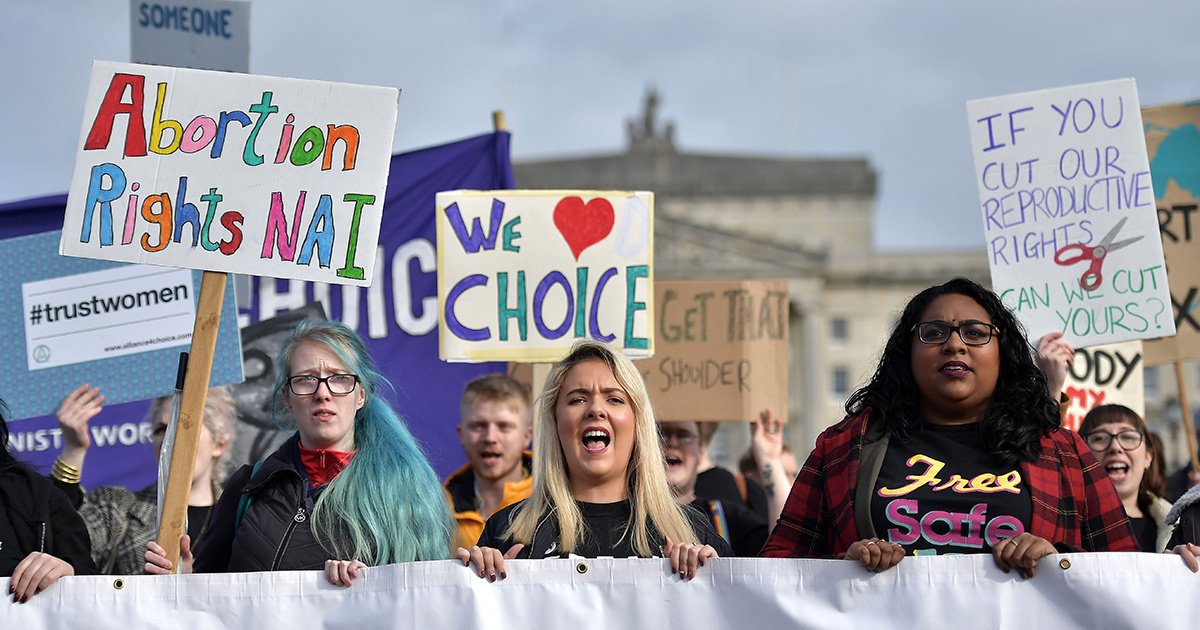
[[1074, 505]]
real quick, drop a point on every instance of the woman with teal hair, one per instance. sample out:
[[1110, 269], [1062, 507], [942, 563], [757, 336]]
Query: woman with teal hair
[[351, 489]]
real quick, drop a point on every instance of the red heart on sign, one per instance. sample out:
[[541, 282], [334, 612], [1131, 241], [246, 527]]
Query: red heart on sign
[[583, 224]]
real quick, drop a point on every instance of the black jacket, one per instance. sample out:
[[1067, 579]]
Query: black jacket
[[545, 535], [39, 517], [273, 533], [745, 531]]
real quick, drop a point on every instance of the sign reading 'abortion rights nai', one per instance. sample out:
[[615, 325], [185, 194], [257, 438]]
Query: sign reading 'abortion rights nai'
[[1069, 212], [523, 274], [231, 172]]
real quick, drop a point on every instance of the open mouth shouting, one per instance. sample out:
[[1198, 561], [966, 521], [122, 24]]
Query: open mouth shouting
[[1117, 471], [490, 457], [596, 439]]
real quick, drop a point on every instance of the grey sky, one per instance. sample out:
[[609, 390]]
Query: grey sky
[[885, 80]]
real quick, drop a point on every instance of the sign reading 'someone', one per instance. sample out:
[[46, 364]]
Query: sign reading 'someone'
[[231, 172]]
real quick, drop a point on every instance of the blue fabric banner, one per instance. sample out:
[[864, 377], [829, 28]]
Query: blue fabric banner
[[396, 316]]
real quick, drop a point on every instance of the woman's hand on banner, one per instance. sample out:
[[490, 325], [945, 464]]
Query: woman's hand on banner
[[874, 554], [343, 572], [488, 561], [1021, 552], [687, 557]]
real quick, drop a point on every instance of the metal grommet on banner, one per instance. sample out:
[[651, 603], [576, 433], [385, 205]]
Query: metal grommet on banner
[[581, 568], [118, 584], [1064, 564]]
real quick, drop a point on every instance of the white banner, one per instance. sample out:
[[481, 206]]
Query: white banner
[[104, 314], [1100, 590]]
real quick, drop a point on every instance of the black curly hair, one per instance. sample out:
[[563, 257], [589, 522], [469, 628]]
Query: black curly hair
[[1020, 411]]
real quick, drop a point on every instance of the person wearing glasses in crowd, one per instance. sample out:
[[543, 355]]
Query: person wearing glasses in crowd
[[120, 522], [744, 529], [1117, 436], [351, 489], [1121, 442], [599, 486], [42, 538], [954, 446]]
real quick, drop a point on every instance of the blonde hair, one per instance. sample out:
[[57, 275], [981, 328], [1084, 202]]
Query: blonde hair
[[652, 504], [220, 415]]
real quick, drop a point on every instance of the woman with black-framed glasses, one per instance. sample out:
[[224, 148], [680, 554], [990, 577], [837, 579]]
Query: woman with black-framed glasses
[[954, 446], [350, 490], [1117, 436]]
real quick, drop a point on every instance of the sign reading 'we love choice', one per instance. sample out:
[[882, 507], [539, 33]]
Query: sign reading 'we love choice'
[[523, 274]]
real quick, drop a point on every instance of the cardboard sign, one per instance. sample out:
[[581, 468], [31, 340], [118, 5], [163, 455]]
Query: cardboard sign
[[522, 274], [1173, 144], [1105, 375], [1068, 212], [208, 34], [231, 172], [722, 350], [122, 334]]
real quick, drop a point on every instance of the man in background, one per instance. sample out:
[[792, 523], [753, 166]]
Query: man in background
[[495, 429]]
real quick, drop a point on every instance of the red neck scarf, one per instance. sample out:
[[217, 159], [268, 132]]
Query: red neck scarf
[[323, 465]]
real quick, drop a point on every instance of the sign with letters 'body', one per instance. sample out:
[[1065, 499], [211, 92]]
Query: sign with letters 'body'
[[1068, 212], [523, 274], [231, 172], [1112, 374]]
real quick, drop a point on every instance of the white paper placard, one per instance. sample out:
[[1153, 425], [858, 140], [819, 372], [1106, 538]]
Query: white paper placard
[[104, 314], [231, 172], [1069, 213], [523, 274]]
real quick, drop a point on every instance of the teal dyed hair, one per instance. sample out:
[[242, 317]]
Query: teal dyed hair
[[387, 505]]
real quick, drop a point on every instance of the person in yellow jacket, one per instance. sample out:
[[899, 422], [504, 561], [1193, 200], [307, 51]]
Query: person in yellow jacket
[[495, 431]]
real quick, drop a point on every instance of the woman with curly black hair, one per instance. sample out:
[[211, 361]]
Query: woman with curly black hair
[[954, 446]]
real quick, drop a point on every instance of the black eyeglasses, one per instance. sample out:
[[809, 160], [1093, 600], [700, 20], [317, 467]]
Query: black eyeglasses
[[972, 332], [339, 384], [1099, 441]]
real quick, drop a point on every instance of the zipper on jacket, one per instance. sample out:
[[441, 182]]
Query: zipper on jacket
[[299, 517]]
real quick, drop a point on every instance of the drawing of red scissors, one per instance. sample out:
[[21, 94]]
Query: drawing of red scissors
[[1092, 277]]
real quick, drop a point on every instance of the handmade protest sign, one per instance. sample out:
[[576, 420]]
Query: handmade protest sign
[[522, 274], [1105, 375], [231, 172], [116, 326], [1068, 212], [1173, 145], [721, 350]]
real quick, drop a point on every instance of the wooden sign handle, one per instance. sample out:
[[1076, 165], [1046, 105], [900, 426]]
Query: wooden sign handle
[[191, 413], [1189, 431]]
